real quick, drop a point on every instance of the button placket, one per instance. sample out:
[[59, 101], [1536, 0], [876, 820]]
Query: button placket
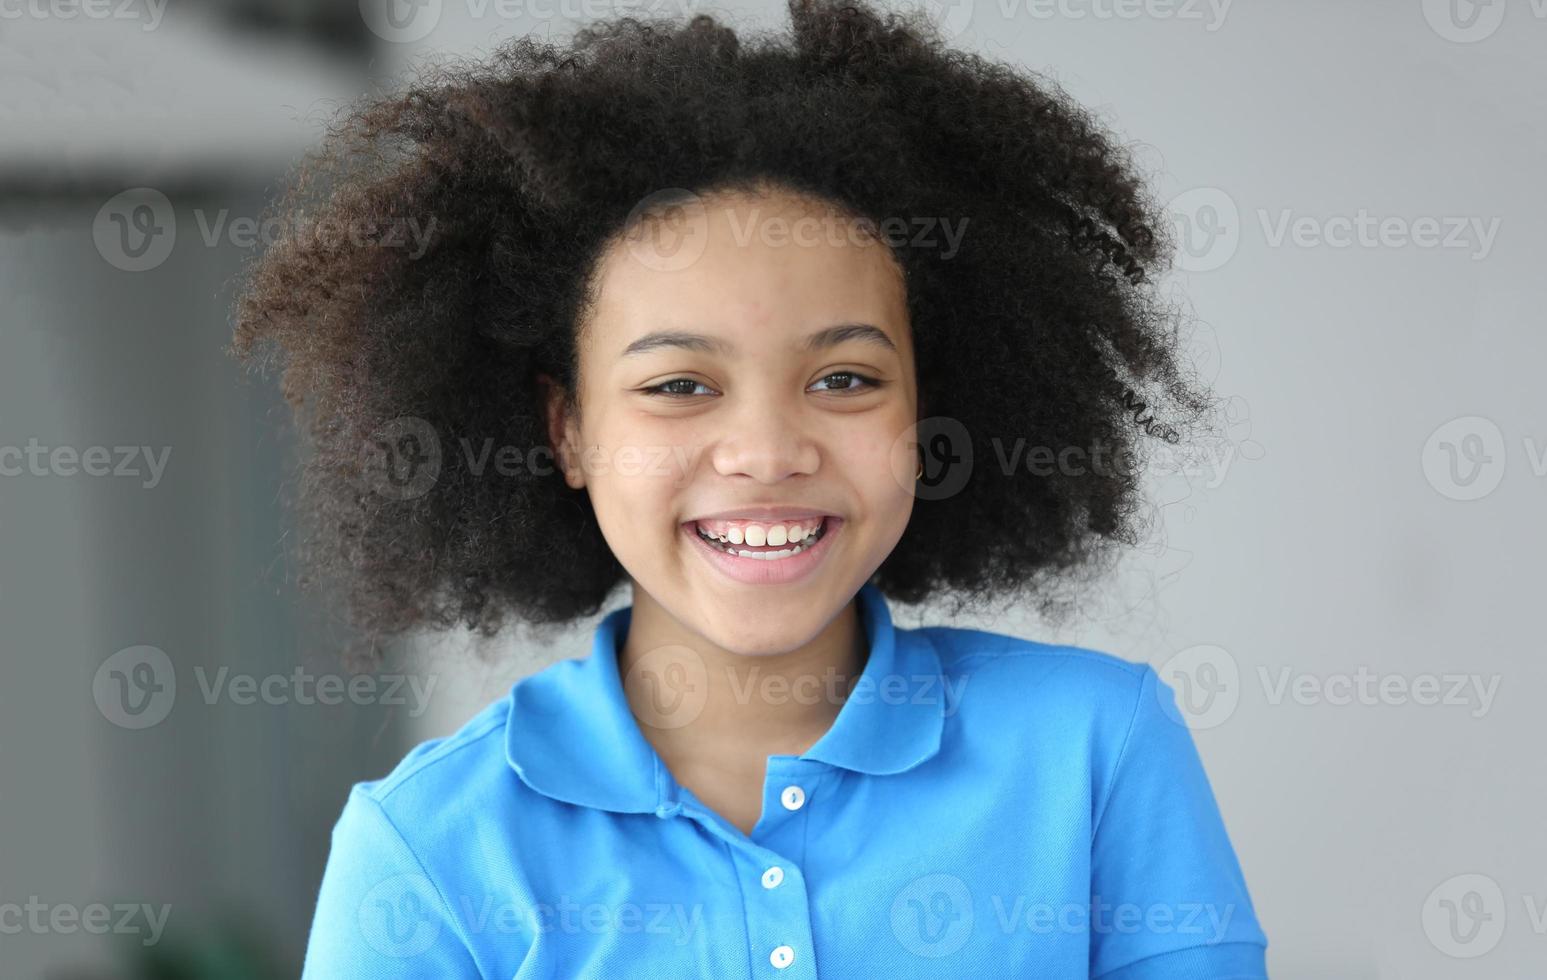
[[778, 906]]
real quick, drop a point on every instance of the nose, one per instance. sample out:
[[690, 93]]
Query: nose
[[766, 440]]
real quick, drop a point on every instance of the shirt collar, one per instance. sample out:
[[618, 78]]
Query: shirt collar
[[571, 736]]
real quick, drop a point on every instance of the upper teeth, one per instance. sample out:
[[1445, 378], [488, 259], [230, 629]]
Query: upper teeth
[[759, 534]]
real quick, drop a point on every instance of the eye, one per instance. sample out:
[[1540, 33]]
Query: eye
[[847, 381], [665, 388], [673, 387]]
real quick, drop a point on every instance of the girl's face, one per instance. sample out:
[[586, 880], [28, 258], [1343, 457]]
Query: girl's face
[[750, 373]]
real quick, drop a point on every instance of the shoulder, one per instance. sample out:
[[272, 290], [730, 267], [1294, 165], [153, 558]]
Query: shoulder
[[446, 782], [1007, 670], [1063, 706]]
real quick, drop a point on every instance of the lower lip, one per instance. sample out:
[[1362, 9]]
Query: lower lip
[[764, 571]]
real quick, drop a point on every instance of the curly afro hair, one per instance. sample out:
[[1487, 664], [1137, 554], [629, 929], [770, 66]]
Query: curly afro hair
[[1043, 327]]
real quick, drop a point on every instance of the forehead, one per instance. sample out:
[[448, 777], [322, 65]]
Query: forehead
[[761, 271]]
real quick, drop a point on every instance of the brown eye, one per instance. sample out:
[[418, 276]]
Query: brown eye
[[850, 381], [666, 389]]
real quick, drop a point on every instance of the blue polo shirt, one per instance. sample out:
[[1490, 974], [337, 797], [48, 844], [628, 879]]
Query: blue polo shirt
[[982, 806]]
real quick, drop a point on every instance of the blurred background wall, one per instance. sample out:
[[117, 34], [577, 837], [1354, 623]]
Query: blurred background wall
[[1359, 192]]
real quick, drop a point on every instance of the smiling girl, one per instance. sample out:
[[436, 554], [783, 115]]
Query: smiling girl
[[754, 320]]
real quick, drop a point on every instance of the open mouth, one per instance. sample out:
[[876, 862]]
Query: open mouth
[[728, 544], [740, 551]]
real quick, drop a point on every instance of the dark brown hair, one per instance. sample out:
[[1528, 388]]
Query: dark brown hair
[[1043, 326]]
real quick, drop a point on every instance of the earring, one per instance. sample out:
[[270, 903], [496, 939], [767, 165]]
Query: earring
[[920, 474]]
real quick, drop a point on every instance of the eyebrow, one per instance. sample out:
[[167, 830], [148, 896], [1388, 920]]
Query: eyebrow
[[820, 340]]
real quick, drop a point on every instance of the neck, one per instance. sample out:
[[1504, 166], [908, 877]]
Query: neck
[[695, 699]]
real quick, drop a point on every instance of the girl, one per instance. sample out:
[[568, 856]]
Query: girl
[[749, 329]]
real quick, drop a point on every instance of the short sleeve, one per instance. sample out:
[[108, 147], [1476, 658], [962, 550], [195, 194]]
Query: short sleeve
[[1168, 897], [378, 913]]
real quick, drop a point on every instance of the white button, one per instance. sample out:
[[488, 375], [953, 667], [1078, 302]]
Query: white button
[[773, 876], [793, 797], [781, 957]]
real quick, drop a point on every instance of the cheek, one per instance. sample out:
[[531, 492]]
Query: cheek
[[882, 470], [634, 490]]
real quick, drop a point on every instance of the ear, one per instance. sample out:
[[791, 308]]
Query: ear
[[563, 434]]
